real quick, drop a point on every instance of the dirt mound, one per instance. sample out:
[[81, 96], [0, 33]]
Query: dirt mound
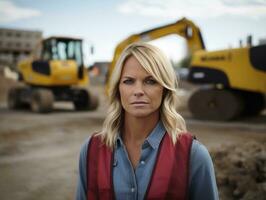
[[241, 171]]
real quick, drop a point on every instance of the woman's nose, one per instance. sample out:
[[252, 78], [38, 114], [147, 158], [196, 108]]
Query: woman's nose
[[138, 90], [138, 94]]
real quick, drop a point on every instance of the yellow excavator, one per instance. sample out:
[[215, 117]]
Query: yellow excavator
[[232, 81], [54, 72]]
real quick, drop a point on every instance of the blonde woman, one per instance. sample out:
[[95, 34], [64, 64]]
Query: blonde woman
[[144, 150]]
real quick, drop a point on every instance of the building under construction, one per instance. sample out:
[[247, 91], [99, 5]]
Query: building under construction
[[16, 44]]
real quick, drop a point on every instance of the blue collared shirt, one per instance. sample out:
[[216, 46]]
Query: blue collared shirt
[[132, 184]]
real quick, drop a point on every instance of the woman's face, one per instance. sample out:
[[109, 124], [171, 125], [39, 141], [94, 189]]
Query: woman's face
[[140, 94]]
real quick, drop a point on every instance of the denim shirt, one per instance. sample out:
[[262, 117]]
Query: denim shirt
[[132, 184]]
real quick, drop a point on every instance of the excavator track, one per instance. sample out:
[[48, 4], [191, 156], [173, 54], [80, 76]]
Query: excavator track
[[42, 101], [216, 104], [85, 100], [254, 103]]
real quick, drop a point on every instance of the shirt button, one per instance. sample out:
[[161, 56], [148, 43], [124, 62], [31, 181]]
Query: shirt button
[[142, 162], [132, 189], [115, 163]]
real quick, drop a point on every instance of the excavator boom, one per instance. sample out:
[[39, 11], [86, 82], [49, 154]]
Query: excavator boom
[[184, 28]]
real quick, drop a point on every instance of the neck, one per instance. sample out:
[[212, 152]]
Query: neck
[[137, 129]]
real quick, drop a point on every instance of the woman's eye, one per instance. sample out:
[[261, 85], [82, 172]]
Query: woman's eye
[[151, 81], [128, 81]]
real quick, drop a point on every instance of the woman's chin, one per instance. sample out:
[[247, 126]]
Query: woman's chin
[[140, 113]]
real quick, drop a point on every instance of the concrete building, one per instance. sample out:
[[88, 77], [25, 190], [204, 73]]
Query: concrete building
[[16, 44], [262, 41]]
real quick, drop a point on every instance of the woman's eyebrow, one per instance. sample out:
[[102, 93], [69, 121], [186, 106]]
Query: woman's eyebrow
[[126, 76], [148, 77], [131, 77]]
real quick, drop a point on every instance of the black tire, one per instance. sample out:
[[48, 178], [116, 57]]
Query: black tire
[[84, 100], [20, 77], [214, 104], [81, 99], [254, 103], [13, 99], [93, 102], [42, 101]]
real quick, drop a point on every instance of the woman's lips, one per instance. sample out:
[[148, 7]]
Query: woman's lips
[[139, 102]]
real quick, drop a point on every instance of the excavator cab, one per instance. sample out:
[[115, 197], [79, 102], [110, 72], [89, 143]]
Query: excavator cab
[[56, 48]]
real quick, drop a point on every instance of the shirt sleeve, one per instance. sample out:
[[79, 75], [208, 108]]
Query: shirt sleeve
[[202, 182], [82, 176]]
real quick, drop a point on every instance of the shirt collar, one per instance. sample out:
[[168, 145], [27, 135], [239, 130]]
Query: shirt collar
[[154, 138]]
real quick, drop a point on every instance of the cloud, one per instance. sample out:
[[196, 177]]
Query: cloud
[[9, 12], [194, 9], [239, 3]]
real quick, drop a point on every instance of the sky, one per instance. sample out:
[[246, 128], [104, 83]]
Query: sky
[[104, 23]]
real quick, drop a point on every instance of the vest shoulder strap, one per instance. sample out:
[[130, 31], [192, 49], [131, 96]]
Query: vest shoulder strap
[[99, 170], [170, 175]]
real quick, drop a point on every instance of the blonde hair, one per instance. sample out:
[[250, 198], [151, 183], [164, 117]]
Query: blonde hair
[[155, 63]]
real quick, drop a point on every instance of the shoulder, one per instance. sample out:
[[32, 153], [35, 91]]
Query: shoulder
[[84, 148], [200, 161], [185, 137], [202, 182], [95, 139], [82, 180], [199, 153]]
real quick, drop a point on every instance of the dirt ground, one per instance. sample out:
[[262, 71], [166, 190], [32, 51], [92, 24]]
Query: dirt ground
[[39, 152]]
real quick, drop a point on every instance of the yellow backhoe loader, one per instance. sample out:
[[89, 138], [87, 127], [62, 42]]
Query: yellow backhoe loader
[[233, 80], [54, 72]]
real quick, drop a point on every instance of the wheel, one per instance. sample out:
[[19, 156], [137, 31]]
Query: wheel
[[254, 103], [84, 100], [214, 104], [93, 102], [14, 97], [42, 101], [81, 99], [20, 77]]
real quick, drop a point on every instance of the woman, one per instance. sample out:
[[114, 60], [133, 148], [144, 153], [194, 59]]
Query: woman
[[143, 150]]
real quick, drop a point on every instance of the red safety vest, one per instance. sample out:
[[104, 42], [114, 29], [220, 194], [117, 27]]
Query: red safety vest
[[169, 179]]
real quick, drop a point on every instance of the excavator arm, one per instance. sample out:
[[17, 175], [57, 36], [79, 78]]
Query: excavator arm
[[184, 28]]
